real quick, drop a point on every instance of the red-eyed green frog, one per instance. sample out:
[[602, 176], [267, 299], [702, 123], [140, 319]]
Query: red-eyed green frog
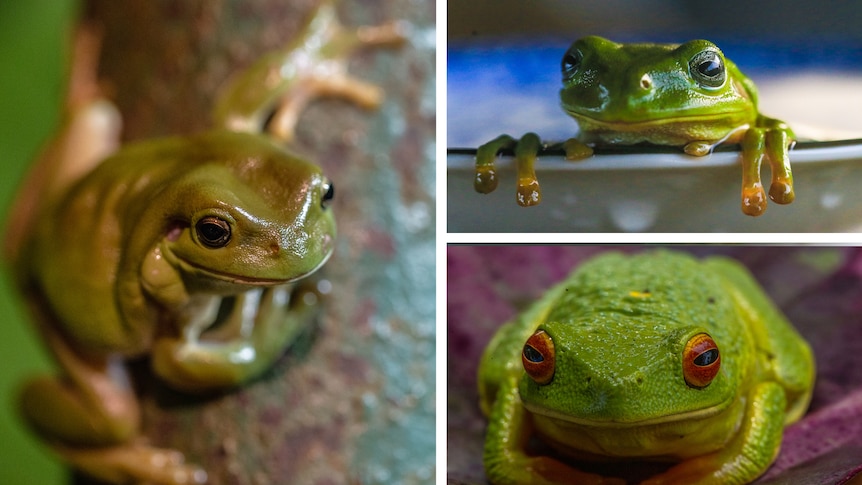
[[651, 357], [687, 95], [189, 250]]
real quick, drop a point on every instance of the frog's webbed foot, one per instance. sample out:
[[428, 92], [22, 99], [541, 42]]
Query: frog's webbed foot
[[773, 143], [135, 463], [526, 149], [234, 339]]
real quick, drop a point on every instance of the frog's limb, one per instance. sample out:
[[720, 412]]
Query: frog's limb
[[753, 195], [486, 181], [90, 131], [259, 326], [576, 149], [135, 463], [90, 417], [779, 139], [280, 85], [506, 462], [698, 148], [747, 456], [528, 193]]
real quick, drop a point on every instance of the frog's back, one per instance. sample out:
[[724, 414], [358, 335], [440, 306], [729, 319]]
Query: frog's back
[[784, 356]]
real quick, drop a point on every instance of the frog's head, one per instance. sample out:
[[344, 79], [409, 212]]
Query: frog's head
[[654, 344], [251, 214], [622, 84]]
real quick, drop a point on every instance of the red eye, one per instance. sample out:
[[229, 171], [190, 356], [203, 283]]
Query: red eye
[[538, 357], [700, 361]]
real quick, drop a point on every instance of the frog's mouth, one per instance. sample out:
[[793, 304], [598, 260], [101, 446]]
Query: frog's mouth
[[595, 123], [693, 415], [243, 280]]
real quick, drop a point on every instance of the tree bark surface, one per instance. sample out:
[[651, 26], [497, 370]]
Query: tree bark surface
[[353, 400]]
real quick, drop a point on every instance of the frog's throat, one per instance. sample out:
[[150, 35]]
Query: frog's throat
[[645, 125], [694, 415]]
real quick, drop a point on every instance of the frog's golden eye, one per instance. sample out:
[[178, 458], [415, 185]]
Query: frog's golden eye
[[571, 62], [707, 69], [700, 361], [213, 232], [538, 357], [328, 194]]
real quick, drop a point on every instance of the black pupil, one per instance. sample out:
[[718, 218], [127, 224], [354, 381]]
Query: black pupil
[[330, 192], [570, 62], [532, 354], [710, 67], [212, 232], [706, 358]]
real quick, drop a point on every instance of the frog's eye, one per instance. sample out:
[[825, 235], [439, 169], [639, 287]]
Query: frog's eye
[[328, 194], [700, 361], [571, 62], [538, 357], [707, 68], [213, 232]]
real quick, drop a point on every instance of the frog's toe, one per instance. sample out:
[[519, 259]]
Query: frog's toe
[[576, 150], [753, 200], [698, 148], [781, 192], [529, 193], [486, 180]]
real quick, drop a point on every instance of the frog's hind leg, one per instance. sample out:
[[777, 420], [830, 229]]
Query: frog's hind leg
[[328, 77], [90, 131], [91, 418]]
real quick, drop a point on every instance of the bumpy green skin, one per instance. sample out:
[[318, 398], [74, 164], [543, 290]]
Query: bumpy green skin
[[619, 324], [633, 93]]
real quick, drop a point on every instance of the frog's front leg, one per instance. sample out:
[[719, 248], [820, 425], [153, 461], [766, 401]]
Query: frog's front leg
[[771, 139], [526, 151], [747, 456], [91, 418], [506, 462], [259, 325]]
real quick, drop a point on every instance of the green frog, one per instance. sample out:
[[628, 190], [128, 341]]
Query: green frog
[[192, 251], [688, 95], [651, 357]]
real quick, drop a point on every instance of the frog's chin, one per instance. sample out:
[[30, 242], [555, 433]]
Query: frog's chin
[[693, 415]]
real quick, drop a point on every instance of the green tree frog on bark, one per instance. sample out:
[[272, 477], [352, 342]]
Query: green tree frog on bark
[[189, 250], [688, 95], [650, 357]]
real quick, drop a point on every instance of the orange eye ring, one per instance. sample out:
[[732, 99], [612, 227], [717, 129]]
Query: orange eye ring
[[538, 357], [701, 361]]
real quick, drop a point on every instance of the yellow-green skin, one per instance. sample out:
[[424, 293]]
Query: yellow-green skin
[[187, 250], [619, 324], [656, 93]]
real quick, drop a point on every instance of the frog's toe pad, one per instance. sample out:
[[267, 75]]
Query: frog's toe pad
[[753, 200], [781, 192]]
